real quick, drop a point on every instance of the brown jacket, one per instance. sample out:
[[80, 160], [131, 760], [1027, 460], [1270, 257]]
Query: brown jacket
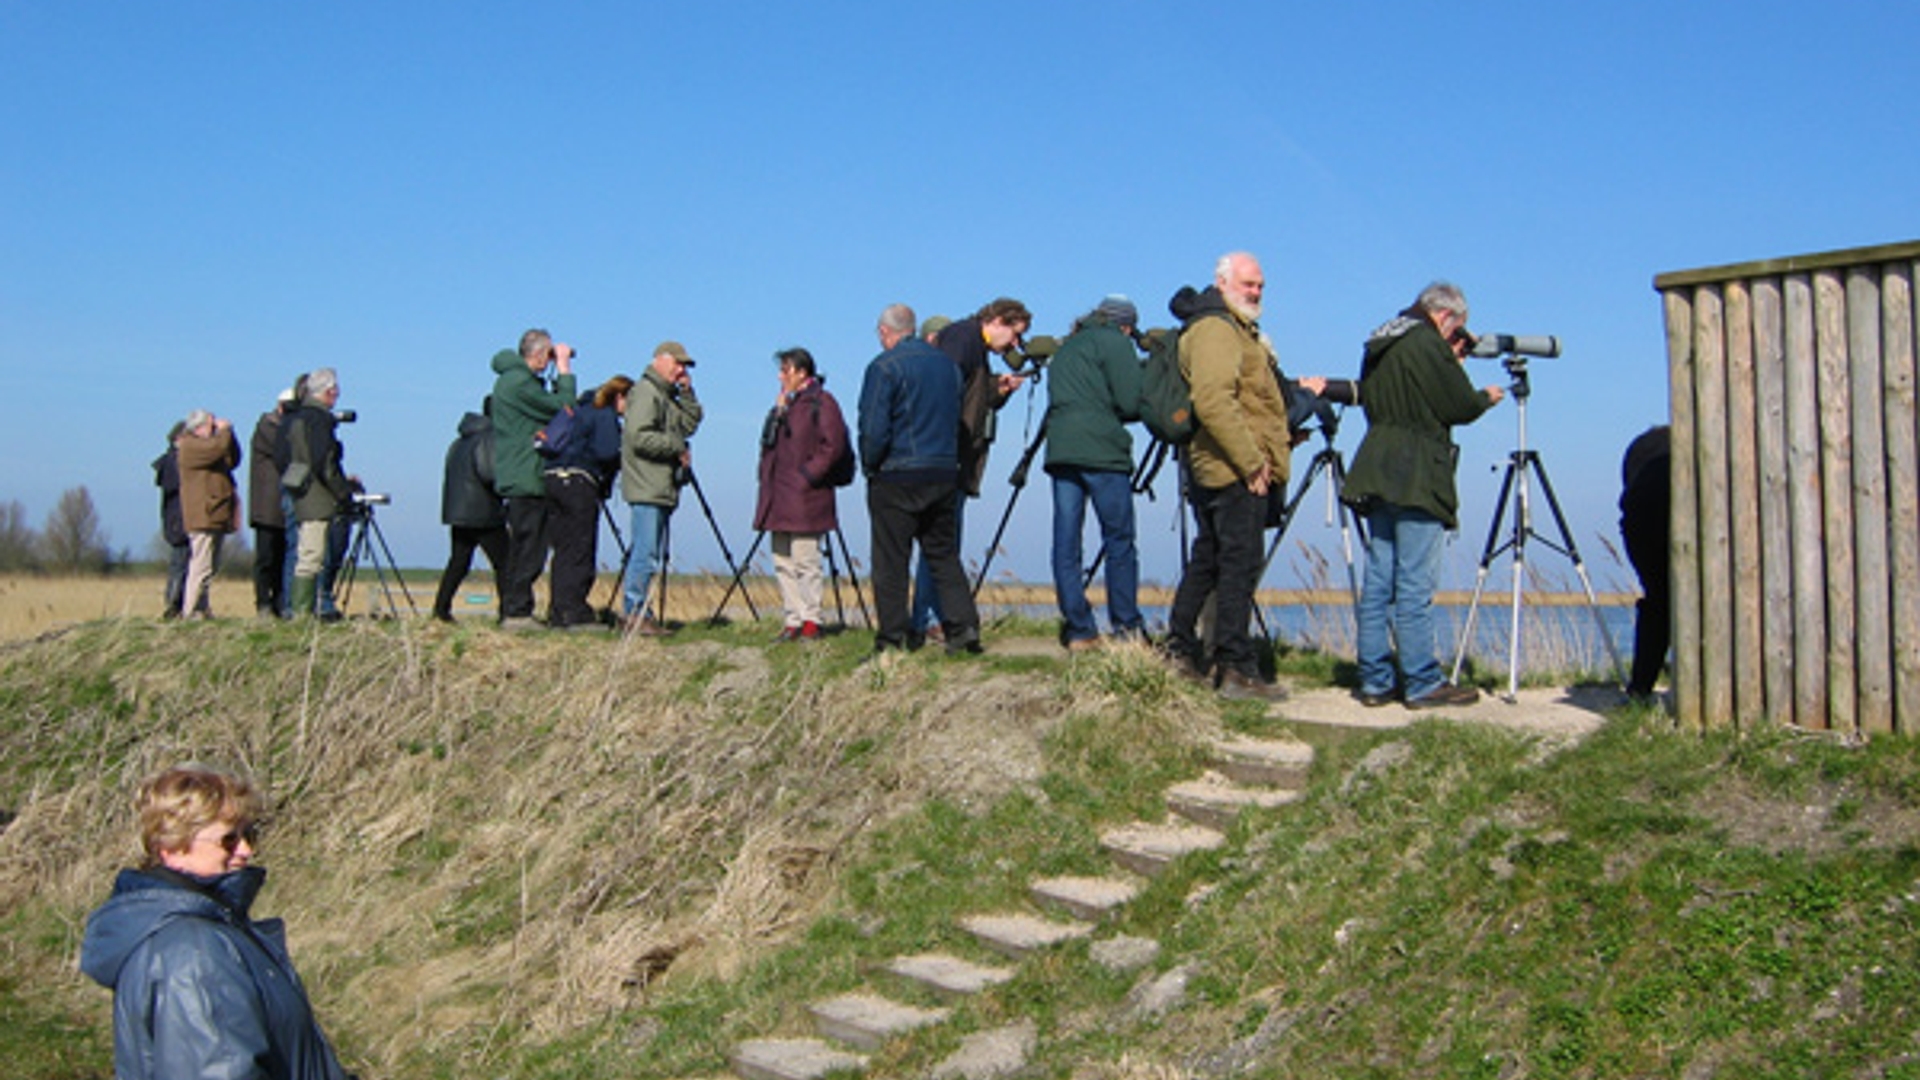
[[1237, 401], [208, 502]]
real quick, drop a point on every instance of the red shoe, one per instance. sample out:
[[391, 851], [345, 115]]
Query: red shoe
[[810, 631]]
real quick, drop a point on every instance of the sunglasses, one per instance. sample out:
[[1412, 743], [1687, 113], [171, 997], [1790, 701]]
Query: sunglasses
[[230, 840]]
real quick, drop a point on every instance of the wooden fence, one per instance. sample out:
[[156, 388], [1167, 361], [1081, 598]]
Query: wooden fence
[[1796, 553]]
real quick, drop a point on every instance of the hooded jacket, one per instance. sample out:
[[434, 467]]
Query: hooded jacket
[[1093, 393], [1414, 390], [199, 988], [467, 498], [166, 477], [661, 417], [522, 405], [313, 442], [263, 474]]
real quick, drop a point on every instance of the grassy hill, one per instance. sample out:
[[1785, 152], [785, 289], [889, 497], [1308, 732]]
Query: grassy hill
[[571, 856]]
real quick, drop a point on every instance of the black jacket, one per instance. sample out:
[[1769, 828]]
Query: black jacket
[[467, 498]]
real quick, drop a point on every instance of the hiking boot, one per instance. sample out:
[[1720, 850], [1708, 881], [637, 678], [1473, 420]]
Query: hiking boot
[[1443, 696], [1240, 686], [809, 631], [1085, 645], [644, 626], [1372, 700], [1185, 666]]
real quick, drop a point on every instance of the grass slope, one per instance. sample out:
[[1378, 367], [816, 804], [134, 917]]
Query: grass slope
[[557, 856]]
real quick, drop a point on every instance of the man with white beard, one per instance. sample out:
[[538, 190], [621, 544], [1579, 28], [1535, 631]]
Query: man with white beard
[[1239, 452]]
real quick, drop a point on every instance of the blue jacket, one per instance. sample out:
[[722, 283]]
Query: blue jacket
[[595, 445], [910, 416], [199, 988]]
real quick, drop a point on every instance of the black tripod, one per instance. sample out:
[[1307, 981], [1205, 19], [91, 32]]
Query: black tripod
[[1521, 465], [1019, 482], [827, 541], [1327, 462], [369, 542], [666, 546]]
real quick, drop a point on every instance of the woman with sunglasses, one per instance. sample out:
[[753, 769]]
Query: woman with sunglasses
[[199, 987]]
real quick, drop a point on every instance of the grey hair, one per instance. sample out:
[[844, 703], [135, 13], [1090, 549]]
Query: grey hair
[[197, 419], [898, 319], [535, 342], [1442, 296], [321, 381]]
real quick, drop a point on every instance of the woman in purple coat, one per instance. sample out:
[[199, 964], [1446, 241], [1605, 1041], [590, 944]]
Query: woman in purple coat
[[804, 454]]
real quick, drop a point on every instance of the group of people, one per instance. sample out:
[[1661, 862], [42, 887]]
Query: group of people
[[298, 503], [527, 477]]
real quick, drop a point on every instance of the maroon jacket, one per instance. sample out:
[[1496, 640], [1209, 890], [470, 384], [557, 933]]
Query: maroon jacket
[[797, 448]]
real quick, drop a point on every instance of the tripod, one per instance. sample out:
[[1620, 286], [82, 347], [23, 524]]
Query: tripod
[[1019, 482], [1522, 464], [1326, 461], [827, 541], [366, 535], [666, 546]]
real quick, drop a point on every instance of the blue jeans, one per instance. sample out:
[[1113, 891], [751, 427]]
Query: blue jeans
[[927, 611], [1112, 496], [1403, 566], [649, 524]]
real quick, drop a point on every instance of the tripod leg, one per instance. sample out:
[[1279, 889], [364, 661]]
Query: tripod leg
[[738, 581], [853, 578], [381, 537], [1579, 568], [706, 509], [1487, 555]]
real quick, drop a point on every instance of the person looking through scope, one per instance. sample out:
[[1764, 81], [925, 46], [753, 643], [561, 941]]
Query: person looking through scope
[[1414, 390]]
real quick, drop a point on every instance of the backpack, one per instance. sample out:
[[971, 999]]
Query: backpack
[[554, 440], [1166, 401], [845, 466]]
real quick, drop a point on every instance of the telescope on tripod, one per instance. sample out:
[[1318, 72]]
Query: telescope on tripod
[[1524, 467]]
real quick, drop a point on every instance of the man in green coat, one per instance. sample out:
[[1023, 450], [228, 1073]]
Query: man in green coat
[[1414, 391], [1093, 393], [522, 405]]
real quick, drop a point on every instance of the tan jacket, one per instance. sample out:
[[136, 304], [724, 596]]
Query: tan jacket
[[208, 502], [1237, 401]]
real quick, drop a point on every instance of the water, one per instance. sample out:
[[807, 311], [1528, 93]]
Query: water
[[1555, 638]]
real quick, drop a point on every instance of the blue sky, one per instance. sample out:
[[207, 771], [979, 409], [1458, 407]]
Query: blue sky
[[203, 199]]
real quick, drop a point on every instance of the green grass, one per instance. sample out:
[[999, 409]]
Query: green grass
[[1447, 901]]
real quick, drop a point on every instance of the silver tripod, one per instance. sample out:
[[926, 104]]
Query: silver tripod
[[1522, 465]]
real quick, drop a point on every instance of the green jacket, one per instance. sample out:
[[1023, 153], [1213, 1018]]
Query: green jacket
[[522, 405], [1414, 391], [1093, 393], [1235, 381], [661, 417]]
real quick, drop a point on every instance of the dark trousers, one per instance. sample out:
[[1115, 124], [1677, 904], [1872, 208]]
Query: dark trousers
[[269, 566], [460, 560], [526, 554], [1646, 537], [573, 531], [1225, 560], [902, 515]]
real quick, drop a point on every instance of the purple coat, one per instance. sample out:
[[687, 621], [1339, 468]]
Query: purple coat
[[797, 448]]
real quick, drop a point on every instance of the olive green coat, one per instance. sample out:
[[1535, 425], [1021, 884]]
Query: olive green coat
[[1414, 391]]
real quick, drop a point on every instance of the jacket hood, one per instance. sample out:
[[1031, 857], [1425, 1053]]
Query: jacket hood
[[506, 360], [1189, 303], [1386, 334], [475, 424], [144, 902]]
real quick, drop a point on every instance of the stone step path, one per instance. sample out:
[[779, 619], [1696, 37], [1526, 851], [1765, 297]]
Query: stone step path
[[1247, 774]]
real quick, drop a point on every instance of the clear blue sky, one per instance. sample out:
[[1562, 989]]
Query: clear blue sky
[[201, 200]]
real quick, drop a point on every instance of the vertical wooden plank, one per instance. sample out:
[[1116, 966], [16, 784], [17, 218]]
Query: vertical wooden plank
[[1710, 442], [1743, 509], [1776, 538], [1836, 481], [1873, 616], [1806, 507], [1684, 567], [1903, 490]]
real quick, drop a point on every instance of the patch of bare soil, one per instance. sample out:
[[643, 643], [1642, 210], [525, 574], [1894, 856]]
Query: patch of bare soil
[[1831, 817]]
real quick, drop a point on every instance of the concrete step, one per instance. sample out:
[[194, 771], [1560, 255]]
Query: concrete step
[[1147, 849], [1018, 935], [1281, 763], [1215, 802], [1088, 898], [948, 976], [790, 1059], [986, 1055], [866, 1021]]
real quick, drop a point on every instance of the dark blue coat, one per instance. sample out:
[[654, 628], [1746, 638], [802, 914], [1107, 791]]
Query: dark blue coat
[[910, 416], [199, 987]]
